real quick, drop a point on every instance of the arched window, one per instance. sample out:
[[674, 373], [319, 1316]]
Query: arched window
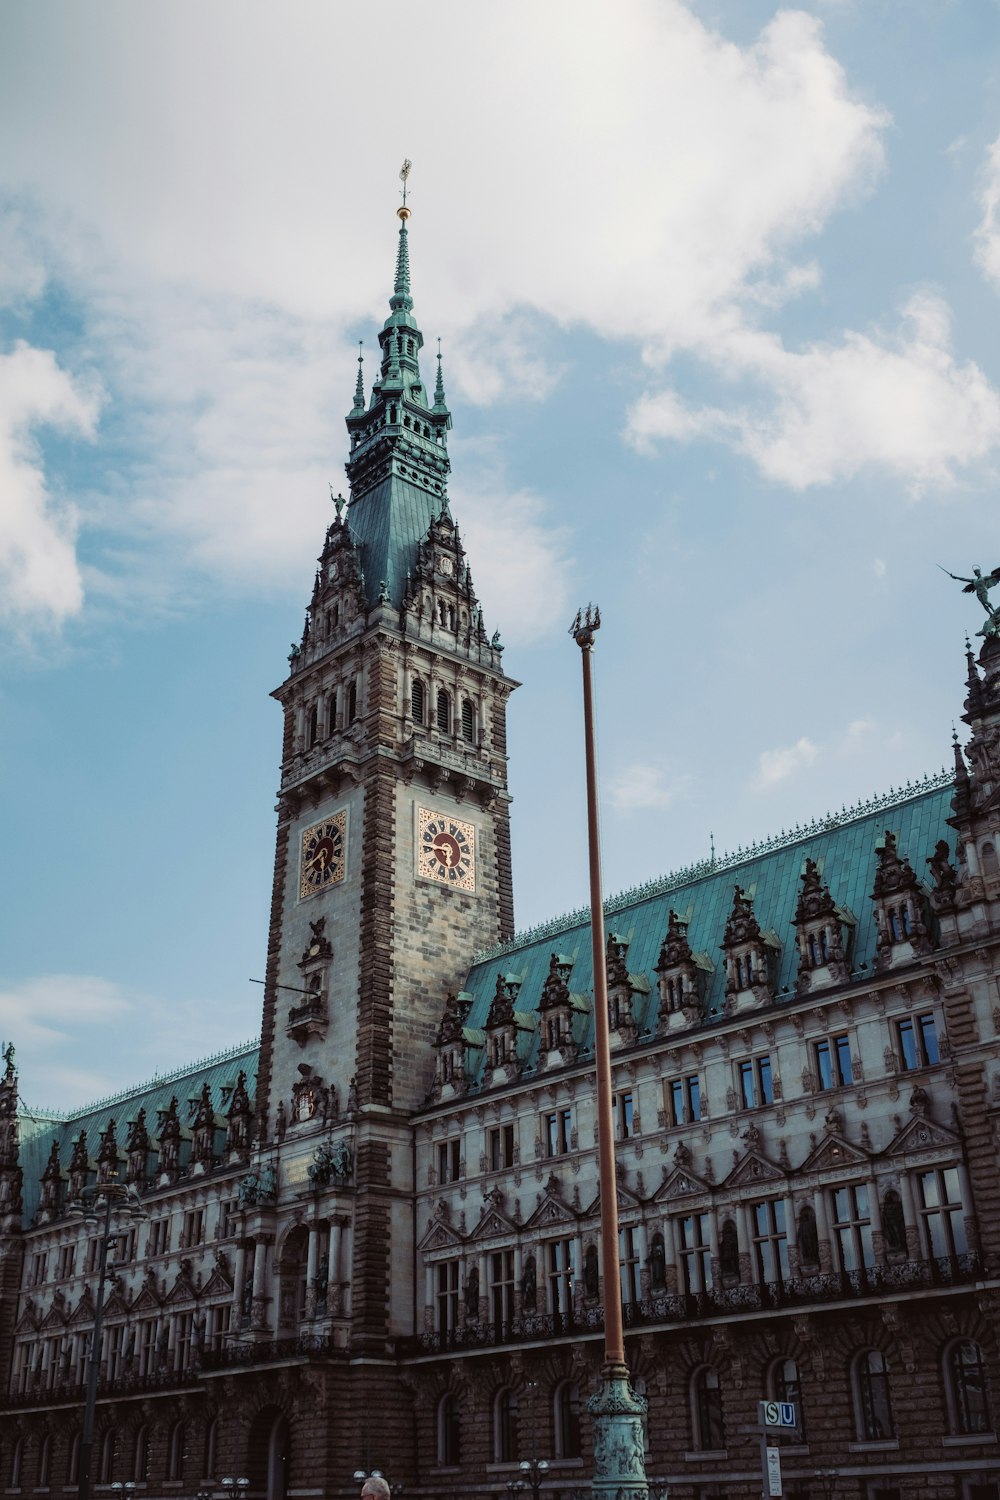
[[331, 714], [505, 1445], [448, 1432], [312, 727], [73, 1469], [352, 703], [175, 1451], [277, 1459], [443, 711], [968, 1403], [873, 1408], [566, 1410], [45, 1462], [706, 1410], [211, 1444], [784, 1385], [140, 1455], [417, 701], [468, 722], [17, 1464], [105, 1469]]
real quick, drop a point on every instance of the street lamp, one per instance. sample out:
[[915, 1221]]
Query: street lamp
[[103, 1199], [123, 1488], [619, 1449], [533, 1471], [231, 1484]]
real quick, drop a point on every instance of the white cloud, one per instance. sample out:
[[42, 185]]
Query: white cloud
[[777, 765], [39, 575], [644, 788], [987, 236], [878, 567], [519, 561], [901, 403]]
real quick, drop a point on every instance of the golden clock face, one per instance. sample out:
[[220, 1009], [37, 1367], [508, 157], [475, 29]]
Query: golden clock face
[[446, 850], [323, 857]]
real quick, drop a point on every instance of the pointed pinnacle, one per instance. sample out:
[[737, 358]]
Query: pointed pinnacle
[[439, 400], [401, 290], [359, 389]]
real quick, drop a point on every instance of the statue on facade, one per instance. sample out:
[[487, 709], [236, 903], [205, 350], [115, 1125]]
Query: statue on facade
[[472, 1294], [980, 584], [529, 1286]]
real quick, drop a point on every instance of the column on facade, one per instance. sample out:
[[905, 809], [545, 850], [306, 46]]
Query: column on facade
[[713, 1240], [791, 1236], [823, 1230], [641, 1235], [484, 1290], [969, 1220], [428, 1296], [259, 1281], [239, 1285], [312, 1269], [909, 1216], [518, 1276], [744, 1239]]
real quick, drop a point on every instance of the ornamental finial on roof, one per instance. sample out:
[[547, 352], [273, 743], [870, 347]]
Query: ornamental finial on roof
[[359, 389], [401, 291], [404, 172]]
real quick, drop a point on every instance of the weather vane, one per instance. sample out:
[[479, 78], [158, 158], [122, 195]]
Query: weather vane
[[404, 172], [980, 585]]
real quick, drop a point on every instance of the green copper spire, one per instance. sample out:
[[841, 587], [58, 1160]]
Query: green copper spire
[[398, 466], [359, 389], [439, 401]]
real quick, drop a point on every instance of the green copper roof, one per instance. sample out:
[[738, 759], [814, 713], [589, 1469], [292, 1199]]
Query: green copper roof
[[219, 1072], [845, 849], [398, 468]]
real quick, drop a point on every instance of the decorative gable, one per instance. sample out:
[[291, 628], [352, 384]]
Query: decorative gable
[[751, 955], [922, 1134], [440, 1236], [752, 1170], [682, 976], [551, 1210], [901, 908], [681, 1182], [834, 1152], [823, 932]]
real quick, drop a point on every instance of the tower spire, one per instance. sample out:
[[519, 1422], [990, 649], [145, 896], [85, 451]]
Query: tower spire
[[359, 389], [401, 298], [439, 401]]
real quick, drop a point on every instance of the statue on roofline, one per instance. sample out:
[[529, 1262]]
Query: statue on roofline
[[980, 584]]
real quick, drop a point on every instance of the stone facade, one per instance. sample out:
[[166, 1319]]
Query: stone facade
[[372, 1240]]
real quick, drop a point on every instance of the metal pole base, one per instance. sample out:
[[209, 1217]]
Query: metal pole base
[[619, 1456]]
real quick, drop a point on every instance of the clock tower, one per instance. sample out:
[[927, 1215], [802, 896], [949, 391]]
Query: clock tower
[[392, 864]]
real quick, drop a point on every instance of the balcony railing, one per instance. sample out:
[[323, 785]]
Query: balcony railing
[[72, 1393], [683, 1307], [273, 1351]]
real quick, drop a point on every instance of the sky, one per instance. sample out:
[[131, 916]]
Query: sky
[[717, 286]]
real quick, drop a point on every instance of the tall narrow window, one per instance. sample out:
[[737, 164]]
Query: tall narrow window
[[625, 1114], [852, 1228], [505, 1427], [417, 701], [770, 1240], [312, 728], [786, 1385], [447, 1298], [628, 1256], [331, 714], [443, 711], [352, 703], [140, 1455], [874, 1408], [943, 1213], [833, 1062], [706, 1410], [448, 1432], [560, 1269], [695, 1252], [468, 722], [45, 1462], [501, 1275], [567, 1420], [175, 1451], [918, 1043], [969, 1409]]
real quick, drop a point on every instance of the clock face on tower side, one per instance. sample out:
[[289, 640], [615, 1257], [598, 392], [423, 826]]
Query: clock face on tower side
[[323, 856], [446, 850]]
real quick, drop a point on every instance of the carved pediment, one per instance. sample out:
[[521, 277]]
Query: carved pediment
[[183, 1288], [626, 1199], [84, 1310], [493, 1223], [28, 1321], [680, 1183], [440, 1236], [218, 1284], [753, 1169], [550, 1211], [147, 1300], [56, 1315], [921, 1134], [833, 1152], [116, 1306]]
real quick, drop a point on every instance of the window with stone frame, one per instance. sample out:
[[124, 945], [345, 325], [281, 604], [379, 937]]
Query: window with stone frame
[[707, 1427], [443, 711], [352, 702], [147, 1347], [557, 1131], [624, 1111], [500, 1271], [468, 722], [500, 1147], [559, 1275], [834, 1069], [449, 1159], [692, 1236], [966, 1389], [756, 1082], [194, 1228], [505, 1425], [629, 1264], [566, 1415], [176, 1445], [872, 1397], [770, 1240], [158, 1240], [942, 1213], [684, 1095], [448, 1432], [417, 701], [312, 725], [784, 1383], [39, 1262], [851, 1227], [66, 1260], [446, 1297], [918, 1042]]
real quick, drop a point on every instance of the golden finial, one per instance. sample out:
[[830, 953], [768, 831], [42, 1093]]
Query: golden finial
[[404, 172]]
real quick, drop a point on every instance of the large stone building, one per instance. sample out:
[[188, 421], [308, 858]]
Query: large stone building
[[371, 1242]]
